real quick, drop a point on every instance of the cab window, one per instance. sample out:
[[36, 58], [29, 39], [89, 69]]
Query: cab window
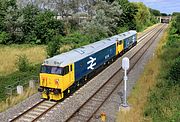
[[120, 42], [71, 67], [52, 70], [66, 70]]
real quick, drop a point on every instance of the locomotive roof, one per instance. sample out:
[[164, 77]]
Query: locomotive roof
[[74, 55]]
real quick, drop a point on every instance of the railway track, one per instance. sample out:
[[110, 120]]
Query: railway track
[[35, 112], [147, 33], [41, 108], [86, 111]]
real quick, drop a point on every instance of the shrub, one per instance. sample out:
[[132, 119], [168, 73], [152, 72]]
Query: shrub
[[30, 38], [4, 37], [122, 29], [77, 39], [178, 23], [175, 71], [23, 63], [53, 46]]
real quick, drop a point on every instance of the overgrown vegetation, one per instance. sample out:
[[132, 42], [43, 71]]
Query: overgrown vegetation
[[22, 63], [9, 55], [163, 101], [13, 100], [18, 78]]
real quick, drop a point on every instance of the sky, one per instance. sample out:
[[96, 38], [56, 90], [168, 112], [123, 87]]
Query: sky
[[164, 6]]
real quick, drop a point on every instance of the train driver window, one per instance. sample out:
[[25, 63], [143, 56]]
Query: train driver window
[[120, 42], [71, 68], [66, 70]]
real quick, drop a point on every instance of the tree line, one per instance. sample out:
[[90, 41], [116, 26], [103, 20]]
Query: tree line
[[75, 22]]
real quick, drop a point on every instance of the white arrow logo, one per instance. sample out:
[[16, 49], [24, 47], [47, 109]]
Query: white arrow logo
[[91, 62]]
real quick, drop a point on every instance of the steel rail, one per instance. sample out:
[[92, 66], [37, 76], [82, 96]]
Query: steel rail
[[26, 111], [148, 32], [20, 116]]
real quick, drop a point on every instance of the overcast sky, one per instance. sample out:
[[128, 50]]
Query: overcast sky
[[164, 6]]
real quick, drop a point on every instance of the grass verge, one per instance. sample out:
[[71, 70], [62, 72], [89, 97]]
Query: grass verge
[[13, 100]]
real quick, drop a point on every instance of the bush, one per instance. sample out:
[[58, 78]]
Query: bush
[[23, 63], [77, 39], [53, 46], [4, 37], [122, 29], [178, 23], [175, 71], [30, 38]]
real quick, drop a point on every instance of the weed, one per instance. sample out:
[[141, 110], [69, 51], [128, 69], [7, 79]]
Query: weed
[[22, 63], [13, 100]]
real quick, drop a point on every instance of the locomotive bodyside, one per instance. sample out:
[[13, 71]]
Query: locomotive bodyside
[[86, 65]]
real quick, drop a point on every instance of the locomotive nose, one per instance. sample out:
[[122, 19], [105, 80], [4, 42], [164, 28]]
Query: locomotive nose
[[50, 81]]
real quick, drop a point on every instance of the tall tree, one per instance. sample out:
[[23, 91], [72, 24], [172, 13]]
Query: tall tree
[[155, 12], [142, 17], [163, 14], [112, 12], [178, 23], [9, 15], [127, 16]]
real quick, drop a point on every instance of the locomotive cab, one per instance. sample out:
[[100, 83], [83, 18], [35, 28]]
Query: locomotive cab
[[119, 47], [54, 80]]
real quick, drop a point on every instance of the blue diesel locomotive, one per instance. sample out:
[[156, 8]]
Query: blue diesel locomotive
[[63, 73]]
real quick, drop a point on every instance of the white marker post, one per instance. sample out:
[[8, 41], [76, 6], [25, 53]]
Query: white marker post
[[125, 66]]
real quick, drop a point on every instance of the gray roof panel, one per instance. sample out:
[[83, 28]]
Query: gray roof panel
[[74, 55]]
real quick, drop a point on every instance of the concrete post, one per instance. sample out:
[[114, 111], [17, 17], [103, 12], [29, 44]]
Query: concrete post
[[19, 89], [160, 19], [31, 83]]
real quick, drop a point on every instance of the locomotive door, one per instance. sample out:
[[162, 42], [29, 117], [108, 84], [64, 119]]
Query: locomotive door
[[71, 74], [119, 46]]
